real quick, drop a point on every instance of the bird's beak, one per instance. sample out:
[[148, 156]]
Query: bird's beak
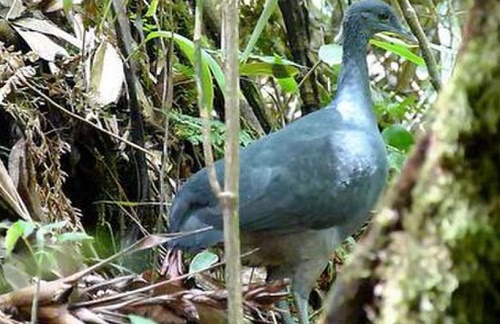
[[408, 35], [403, 33]]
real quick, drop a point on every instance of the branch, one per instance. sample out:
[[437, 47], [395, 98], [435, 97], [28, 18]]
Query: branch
[[167, 98], [416, 28], [85, 121], [125, 43]]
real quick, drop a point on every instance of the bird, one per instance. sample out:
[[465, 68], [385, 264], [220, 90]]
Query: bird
[[307, 187]]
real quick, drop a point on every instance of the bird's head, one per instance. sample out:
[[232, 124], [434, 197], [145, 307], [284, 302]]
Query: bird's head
[[373, 16]]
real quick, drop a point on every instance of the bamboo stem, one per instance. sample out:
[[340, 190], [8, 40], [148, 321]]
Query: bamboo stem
[[230, 196]]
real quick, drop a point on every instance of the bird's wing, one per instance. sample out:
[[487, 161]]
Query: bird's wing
[[290, 180], [288, 186], [282, 186]]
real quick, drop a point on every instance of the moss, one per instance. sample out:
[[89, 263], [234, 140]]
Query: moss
[[445, 264]]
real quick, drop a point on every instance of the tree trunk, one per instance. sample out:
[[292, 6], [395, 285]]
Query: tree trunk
[[296, 18], [433, 252]]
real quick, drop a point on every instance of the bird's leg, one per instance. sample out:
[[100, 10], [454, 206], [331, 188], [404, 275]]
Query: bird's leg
[[286, 316], [275, 273], [301, 303], [303, 281]]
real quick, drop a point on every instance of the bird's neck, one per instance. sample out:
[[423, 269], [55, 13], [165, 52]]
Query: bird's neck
[[353, 98]]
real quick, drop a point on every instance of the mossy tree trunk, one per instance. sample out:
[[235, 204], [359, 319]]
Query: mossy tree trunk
[[433, 252]]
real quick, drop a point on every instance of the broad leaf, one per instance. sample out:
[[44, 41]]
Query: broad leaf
[[207, 64], [19, 229], [203, 260], [134, 319], [278, 71], [73, 237], [397, 136], [399, 48], [331, 54]]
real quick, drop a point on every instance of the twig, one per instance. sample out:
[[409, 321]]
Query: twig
[[125, 44], [151, 287], [230, 196], [83, 120], [207, 141], [53, 290], [416, 28], [167, 98], [308, 74]]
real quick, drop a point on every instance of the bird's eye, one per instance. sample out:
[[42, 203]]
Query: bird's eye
[[383, 16]]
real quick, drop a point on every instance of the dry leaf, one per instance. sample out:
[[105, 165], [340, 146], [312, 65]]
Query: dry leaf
[[107, 76]]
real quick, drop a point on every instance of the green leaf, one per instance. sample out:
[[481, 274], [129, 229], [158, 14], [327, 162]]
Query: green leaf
[[73, 237], [395, 110], [67, 4], [17, 230], [288, 85], [397, 136], [152, 8], [269, 8], [214, 66], [202, 261], [400, 49], [324, 94], [331, 54], [134, 319], [50, 228], [193, 131], [184, 69], [207, 62], [278, 71], [14, 233], [275, 59], [55, 226]]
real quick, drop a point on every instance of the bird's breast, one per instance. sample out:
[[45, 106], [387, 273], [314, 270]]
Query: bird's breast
[[290, 248]]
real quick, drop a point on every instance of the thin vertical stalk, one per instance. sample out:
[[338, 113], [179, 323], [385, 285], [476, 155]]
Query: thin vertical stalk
[[167, 98], [230, 196], [207, 142], [412, 20]]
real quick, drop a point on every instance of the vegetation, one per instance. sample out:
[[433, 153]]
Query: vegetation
[[101, 124], [443, 212]]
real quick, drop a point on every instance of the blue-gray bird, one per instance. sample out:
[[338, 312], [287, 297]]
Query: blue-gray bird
[[307, 187]]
